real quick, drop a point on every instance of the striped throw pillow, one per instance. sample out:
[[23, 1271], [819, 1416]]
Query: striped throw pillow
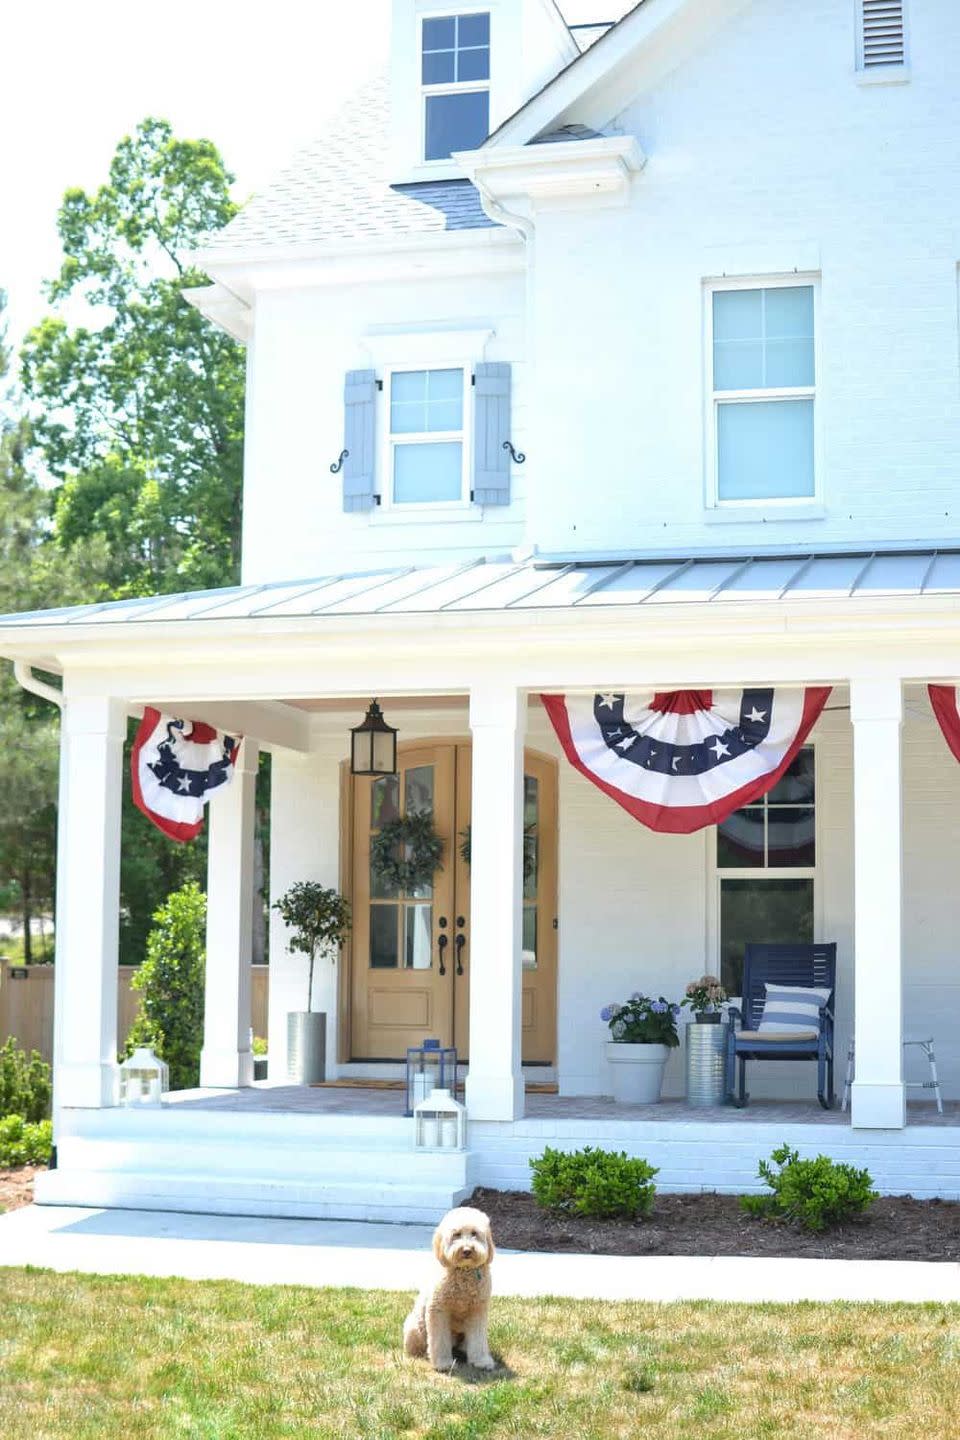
[[792, 1007]]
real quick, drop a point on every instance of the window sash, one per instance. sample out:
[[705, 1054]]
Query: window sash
[[394, 440], [715, 397], [430, 90]]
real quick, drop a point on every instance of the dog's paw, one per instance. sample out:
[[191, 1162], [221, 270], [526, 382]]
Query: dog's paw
[[485, 1362]]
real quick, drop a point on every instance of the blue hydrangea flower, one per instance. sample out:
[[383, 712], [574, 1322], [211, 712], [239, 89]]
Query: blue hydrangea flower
[[618, 1029], [675, 1010], [659, 1007], [606, 1013]]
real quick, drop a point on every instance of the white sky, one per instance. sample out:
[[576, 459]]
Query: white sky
[[258, 79]]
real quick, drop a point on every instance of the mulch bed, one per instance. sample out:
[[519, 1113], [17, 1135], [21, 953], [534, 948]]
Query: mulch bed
[[16, 1186], [895, 1228]]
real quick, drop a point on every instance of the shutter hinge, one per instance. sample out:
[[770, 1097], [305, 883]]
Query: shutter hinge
[[473, 379], [376, 499], [379, 384], [471, 497]]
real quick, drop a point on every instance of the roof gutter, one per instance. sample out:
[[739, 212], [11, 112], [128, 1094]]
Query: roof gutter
[[23, 672]]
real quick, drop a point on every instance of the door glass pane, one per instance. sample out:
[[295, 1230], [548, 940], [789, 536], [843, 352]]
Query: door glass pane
[[418, 790], [417, 937], [531, 836], [765, 449], [740, 839], [791, 836], [384, 800], [759, 911], [530, 937], [381, 889], [383, 937]]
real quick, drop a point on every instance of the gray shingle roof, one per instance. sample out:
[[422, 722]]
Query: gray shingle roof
[[336, 189], [499, 585]]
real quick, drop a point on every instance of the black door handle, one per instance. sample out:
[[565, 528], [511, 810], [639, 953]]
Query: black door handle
[[458, 943], [442, 942]]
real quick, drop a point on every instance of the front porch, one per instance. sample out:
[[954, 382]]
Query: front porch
[[634, 909], [327, 1152]]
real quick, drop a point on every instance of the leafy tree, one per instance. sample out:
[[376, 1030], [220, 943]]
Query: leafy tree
[[170, 981], [139, 411]]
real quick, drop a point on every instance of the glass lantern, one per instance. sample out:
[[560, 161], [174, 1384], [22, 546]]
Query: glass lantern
[[143, 1078], [430, 1066], [373, 745], [439, 1123]]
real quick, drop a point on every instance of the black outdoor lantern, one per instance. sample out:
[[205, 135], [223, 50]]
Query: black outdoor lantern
[[373, 745]]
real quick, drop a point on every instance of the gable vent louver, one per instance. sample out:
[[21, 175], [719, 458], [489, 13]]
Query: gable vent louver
[[882, 36]]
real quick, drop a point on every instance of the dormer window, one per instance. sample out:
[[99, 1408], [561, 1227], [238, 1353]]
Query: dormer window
[[455, 76]]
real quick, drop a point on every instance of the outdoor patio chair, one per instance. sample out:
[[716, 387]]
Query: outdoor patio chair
[[791, 966]]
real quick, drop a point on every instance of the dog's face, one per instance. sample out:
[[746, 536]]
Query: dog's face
[[463, 1241]]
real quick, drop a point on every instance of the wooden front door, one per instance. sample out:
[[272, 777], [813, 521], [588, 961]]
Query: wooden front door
[[411, 953]]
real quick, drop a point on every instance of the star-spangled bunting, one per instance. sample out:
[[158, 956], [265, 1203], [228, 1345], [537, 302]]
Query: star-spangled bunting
[[684, 759], [945, 700], [175, 766]]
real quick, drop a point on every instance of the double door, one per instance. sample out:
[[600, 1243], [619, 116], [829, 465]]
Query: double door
[[410, 952]]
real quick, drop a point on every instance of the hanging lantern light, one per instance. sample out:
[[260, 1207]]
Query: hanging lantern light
[[373, 745]]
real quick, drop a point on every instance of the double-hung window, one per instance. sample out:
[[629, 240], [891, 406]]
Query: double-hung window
[[455, 77], [763, 392], [427, 459], [766, 867]]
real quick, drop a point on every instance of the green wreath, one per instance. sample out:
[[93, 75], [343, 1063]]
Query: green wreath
[[406, 853]]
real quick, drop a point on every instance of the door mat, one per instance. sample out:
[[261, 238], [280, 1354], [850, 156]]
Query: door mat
[[533, 1088]]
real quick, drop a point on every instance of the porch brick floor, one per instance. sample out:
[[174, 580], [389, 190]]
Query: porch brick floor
[[307, 1100]]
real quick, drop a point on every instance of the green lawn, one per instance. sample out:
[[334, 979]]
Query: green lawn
[[134, 1358]]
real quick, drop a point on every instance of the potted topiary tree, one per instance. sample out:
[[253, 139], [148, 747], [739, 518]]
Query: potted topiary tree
[[319, 921], [643, 1032]]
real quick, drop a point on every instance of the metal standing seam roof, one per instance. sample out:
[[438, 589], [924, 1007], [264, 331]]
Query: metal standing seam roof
[[489, 586]]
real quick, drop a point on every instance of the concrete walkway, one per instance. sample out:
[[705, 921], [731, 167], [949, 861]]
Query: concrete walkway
[[392, 1257]]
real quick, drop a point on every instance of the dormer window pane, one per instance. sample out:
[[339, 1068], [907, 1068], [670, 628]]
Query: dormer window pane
[[456, 122], [440, 34], [473, 65], [439, 67]]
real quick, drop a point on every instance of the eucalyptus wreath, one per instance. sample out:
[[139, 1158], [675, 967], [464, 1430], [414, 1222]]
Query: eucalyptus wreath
[[406, 853]]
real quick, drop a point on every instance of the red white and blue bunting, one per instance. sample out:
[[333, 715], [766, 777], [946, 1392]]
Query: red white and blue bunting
[[945, 700], [175, 766], [683, 759]]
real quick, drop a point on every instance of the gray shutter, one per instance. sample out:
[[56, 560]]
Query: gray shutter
[[491, 416], [360, 439]]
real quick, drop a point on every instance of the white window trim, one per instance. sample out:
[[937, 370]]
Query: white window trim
[[755, 507], [717, 874], [388, 442], [448, 87]]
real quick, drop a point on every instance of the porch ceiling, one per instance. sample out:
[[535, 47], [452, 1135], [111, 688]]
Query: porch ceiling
[[490, 586]]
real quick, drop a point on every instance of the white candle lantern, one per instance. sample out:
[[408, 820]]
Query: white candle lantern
[[439, 1123], [143, 1078]]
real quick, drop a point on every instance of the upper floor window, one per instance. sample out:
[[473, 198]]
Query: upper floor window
[[763, 368], [455, 75], [426, 436]]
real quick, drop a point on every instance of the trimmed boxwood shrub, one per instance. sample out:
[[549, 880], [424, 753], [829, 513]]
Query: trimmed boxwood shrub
[[596, 1183], [817, 1194], [24, 1083], [22, 1143], [170, 982]]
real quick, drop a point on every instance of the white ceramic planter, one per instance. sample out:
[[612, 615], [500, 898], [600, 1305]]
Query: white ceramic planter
[[637, 1071]]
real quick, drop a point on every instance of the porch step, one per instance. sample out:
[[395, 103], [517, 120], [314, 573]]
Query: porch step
[[219, 1194]]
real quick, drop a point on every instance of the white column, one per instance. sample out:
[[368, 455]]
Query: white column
[[494, 1089], [88, 902], [304, 845], [225, 1060], [876, 709]]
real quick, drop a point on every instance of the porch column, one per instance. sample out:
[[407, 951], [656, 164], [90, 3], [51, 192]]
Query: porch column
[[876, 709], [88, 902], [225, 1060], [494, 1088]]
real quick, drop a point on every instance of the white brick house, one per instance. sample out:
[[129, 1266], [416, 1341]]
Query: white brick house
[[703, 277]]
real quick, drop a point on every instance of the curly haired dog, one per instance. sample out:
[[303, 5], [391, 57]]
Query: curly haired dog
[[451, 1309]]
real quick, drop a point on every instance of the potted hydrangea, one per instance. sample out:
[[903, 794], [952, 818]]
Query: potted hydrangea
[[705, 997], [643, 1032]]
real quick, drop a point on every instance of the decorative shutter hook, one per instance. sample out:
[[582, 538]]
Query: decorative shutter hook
[[517, 456], [335, 469]]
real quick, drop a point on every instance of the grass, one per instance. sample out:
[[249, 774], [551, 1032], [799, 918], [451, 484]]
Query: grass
[[86, 1357]]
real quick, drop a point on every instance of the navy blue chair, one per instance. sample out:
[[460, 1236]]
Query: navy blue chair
[[782, 965]]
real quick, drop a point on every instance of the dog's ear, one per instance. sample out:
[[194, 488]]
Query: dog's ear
[[491, 1248], [438, 1250]]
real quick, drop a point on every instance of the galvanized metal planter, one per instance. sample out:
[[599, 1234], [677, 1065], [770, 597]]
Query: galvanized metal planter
[[706, 1045], [306, 1046]]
